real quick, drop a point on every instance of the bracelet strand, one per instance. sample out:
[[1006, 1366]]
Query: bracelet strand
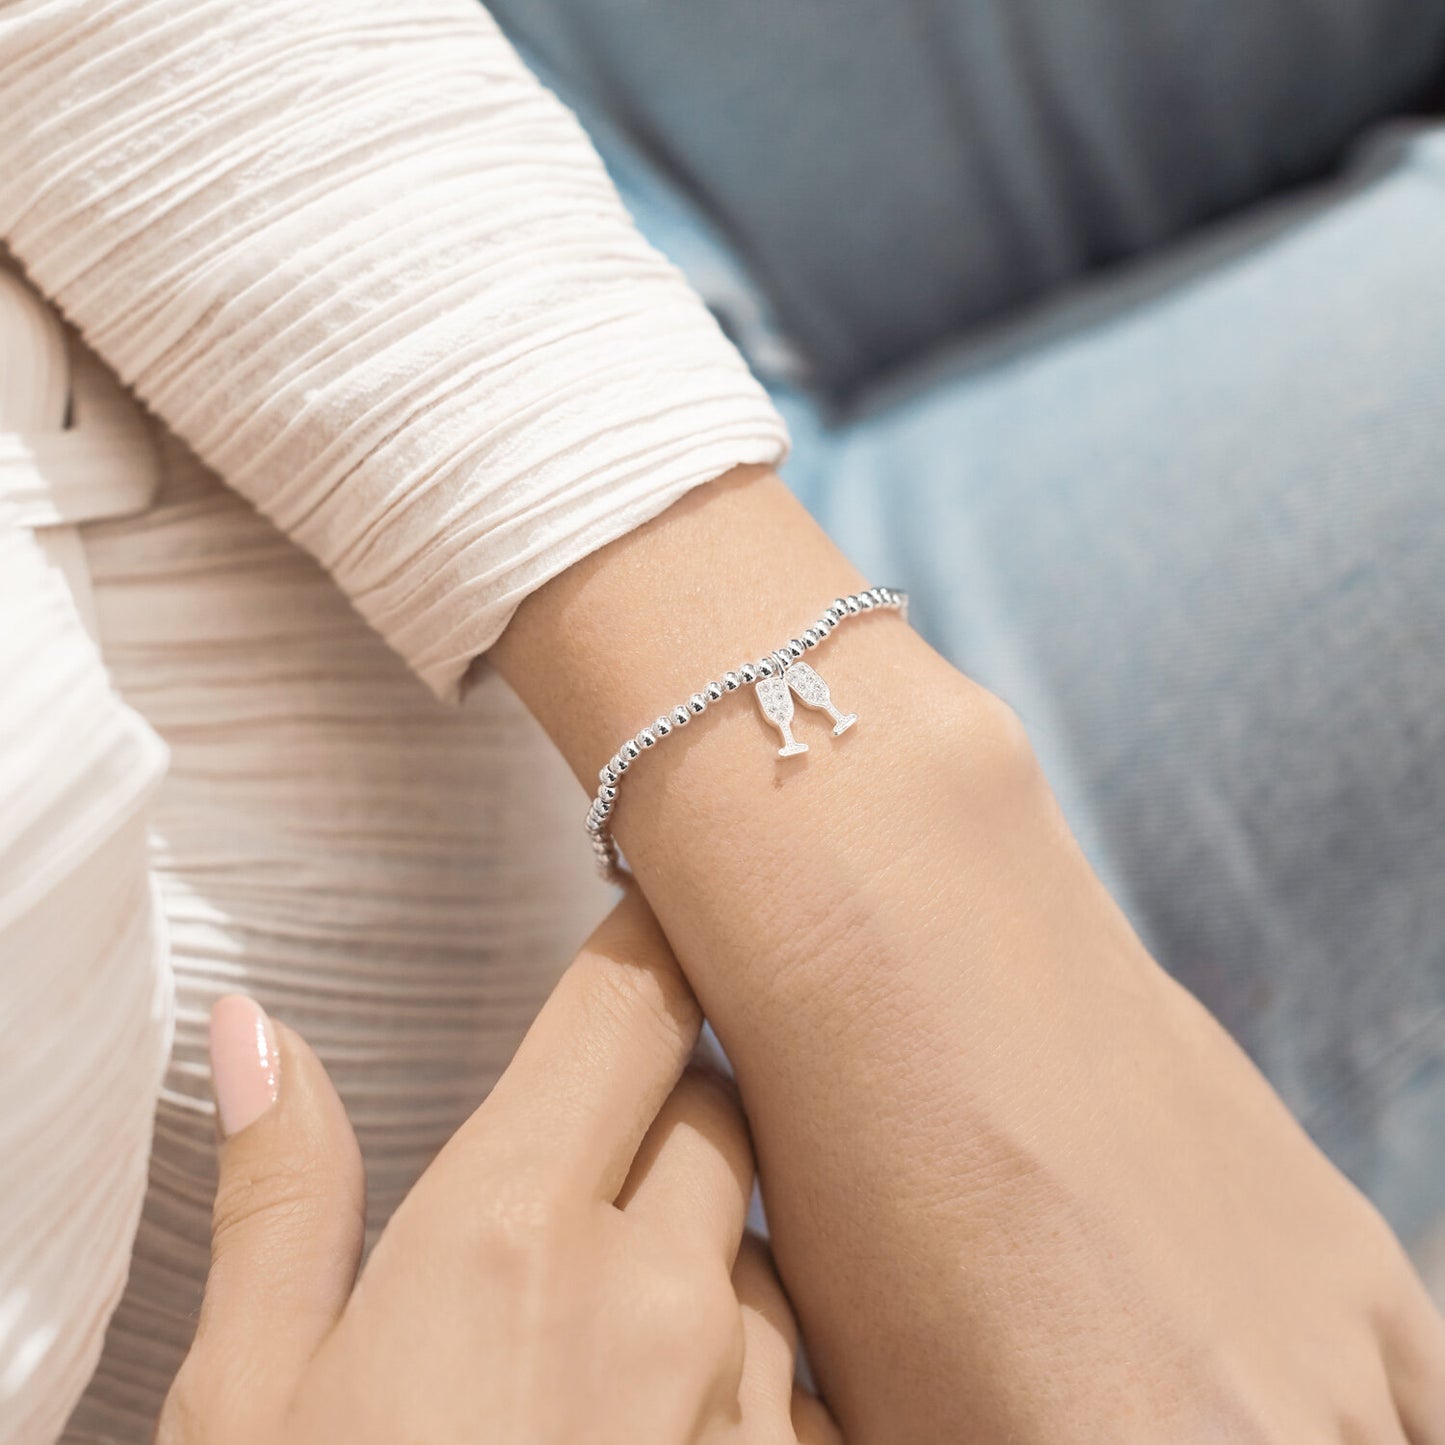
[[775, 678]]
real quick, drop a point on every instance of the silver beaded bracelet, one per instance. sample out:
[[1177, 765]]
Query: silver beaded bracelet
[[774, 678]]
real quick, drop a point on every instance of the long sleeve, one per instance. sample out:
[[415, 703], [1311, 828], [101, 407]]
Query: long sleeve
[[373, 274]]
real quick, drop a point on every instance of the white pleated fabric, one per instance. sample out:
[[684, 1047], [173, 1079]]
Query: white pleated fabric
[[375, 276], [351, 255], [399, 879], [85, 1004], [85, 988]]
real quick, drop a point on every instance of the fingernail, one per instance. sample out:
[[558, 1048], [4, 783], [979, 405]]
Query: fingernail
[[244, 1063]]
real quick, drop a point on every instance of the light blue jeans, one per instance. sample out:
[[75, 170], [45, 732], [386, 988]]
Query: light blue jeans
[[1177, 493]]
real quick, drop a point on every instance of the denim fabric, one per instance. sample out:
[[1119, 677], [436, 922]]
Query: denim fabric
[[895, 171], [1189, 518]]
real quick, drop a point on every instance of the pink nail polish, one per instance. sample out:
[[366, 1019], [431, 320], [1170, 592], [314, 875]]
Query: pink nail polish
[[244, 1063]]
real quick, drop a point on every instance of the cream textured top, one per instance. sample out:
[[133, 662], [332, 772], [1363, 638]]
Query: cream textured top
[[362, 268], [373, 274]]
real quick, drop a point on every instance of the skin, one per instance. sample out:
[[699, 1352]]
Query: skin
[[1021, 1185], [572, 1267]]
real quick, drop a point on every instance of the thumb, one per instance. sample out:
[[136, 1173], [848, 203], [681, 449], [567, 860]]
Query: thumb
[[290, 1207]]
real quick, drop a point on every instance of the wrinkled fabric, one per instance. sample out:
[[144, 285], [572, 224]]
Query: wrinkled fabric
[[373, 274], [85, 992], [214, 776], [85, 982], [398, 879]]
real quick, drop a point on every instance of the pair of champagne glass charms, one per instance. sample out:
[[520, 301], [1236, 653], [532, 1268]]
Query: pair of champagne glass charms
[[775, 699]]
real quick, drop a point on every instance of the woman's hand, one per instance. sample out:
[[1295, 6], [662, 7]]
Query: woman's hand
[[1071, 1209], [572, 1267]]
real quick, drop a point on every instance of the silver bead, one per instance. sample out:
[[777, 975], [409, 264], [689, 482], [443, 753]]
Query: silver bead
[[697, 703], [662, 726], [630, 750], [810, 638], [766, 667], [840, 607], [714, 690], [731, 682], [850, 604], [646, 738], [795, 649], [831, 615], [749, 673], [607, 775], [619, 764], [608, 795], [680, 716], [865, 602]]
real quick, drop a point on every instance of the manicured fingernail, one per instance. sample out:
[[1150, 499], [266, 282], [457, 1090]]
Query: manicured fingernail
[[244, 1062]]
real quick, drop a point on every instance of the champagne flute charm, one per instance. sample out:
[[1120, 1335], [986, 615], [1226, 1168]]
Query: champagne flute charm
[[777, 705], [813, 692]]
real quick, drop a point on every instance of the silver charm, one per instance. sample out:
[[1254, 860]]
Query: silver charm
[[777, 705], [775, 697], [813, 692]]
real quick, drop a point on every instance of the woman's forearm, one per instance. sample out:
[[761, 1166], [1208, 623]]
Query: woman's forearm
[[816, 904], [1021, 1185]]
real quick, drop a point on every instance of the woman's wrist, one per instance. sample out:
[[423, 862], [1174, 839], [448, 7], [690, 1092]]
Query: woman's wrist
[[726, 573], [716, 827], [723, 573], [1018, 1181], [870, 928]]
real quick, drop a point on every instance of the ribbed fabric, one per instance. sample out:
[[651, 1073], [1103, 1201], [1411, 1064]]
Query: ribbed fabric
[[376, 277], [398, 879], [85, 988], [85, 996]]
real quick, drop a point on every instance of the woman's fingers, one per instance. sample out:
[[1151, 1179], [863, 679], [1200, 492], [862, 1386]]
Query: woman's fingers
[[594, 1069], [290, 1200], [1415, 1358], [693, 1175], [774, 1405], [812, 1423]]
